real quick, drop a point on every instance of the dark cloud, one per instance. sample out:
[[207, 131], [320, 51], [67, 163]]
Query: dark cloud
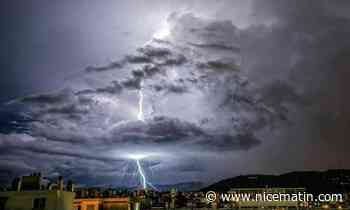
[[113, 65], [158, 56], [132, 83], [115, 88], [155, 52], [135, 59], [219, 65], [11, 119], [224, 142], [204, 33], [138, 73], [147, 54], [177, 87], [218, 47], [151, 70], [290, 58], [190, 165], [47, 98]]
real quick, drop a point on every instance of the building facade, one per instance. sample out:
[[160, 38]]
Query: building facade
[[32, 193], [102, 204], [36, 200]]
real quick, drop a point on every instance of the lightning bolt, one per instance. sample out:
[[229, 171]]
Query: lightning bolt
[[140, 115], [143, 177]]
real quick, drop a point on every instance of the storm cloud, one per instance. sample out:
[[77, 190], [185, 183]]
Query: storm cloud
[[207, 87]]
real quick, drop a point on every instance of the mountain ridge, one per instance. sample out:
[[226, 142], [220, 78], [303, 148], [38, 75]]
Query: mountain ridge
[[334, 180]]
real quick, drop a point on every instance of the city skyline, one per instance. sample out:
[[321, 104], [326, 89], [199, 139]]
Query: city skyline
[[173, 91]]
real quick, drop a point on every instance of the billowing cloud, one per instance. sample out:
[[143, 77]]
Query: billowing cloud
[[194, 62]]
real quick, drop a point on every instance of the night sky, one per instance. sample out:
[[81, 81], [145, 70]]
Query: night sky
[[203, 90]]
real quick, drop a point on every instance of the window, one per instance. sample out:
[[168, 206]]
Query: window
[[39, 203]]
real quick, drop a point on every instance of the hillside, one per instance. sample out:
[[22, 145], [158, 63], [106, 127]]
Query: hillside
[[313, 181]]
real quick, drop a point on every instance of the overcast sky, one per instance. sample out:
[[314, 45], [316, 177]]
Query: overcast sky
[[203, 90]]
